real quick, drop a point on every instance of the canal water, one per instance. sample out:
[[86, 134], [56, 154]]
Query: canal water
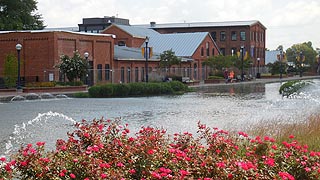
[[228, 107]]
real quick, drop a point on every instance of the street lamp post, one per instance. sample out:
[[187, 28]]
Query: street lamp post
[[111, 71], [301, 63], [258, 74], [146, 52], [86, 55], [280, 59], [242, 73], [19, 47]]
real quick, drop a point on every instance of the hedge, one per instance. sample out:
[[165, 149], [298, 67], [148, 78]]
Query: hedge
[[136, 89]]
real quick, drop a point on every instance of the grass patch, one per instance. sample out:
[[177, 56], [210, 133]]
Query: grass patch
[[306, 132]]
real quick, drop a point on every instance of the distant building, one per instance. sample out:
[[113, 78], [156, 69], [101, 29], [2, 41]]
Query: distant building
[[229, 35], [194, 48], [271, 56], [96, 25]]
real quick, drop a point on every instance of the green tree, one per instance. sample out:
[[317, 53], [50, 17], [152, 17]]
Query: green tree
[[73, 68], [19, 15], [169, 58], [10, 70], [305, 49], [277, 66], [219, 62]]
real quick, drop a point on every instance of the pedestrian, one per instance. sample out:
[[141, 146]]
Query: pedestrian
[[231, 76], [226, 75]]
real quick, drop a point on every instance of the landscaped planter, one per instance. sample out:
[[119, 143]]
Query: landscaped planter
[[214, 81], [55, 89]]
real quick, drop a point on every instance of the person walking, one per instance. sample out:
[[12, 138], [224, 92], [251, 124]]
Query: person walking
[[226, 75]]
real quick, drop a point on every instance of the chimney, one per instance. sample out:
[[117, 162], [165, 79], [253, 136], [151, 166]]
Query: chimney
[[152, 24]]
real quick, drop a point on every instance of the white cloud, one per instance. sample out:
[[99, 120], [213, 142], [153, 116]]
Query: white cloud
[[287, 21]]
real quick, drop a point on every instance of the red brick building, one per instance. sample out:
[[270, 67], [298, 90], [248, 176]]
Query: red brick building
[[41, 51], [194, 48], [229, 36]]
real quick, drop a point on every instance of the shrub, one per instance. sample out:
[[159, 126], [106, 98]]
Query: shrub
[[292, 87], [121, 90], [104, 149], [178, 86], [95, 92], [137, 89], [166, 88], [153, 89], [74, 83], [41, 84], [106, 90]]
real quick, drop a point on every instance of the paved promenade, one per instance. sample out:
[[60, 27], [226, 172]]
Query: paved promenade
[[4, 96]]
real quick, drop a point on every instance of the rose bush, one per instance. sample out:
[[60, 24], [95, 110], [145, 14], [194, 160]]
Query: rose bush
[[105, 149]]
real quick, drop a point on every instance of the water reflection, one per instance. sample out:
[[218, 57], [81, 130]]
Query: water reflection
[[233, 107]]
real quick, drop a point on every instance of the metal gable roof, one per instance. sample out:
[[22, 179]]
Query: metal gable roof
[[201, 24], [138, 31], [183, 44]]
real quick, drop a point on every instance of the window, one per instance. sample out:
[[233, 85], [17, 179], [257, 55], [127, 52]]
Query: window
[[222, 36], [136, 74], [242, 35], [207, 49], [202, 51], [233, 35], [107, 72], [142, 74], [213, 51], [121, 43], [195, 71], [128, 75], [99, 67], [223, 51], [122, 75], [214, 35], [233, 51]]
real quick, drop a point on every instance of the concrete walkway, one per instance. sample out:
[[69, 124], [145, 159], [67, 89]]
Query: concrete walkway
[[8, 95], [259, 81]]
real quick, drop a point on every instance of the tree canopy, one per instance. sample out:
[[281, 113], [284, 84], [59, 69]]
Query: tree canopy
[[168, 58], [305, 49], [220, 61], [19, 15]]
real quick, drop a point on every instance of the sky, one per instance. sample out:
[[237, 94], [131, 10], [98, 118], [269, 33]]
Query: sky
[[288, 22]]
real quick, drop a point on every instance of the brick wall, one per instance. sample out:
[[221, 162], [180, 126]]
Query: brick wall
[[41, 51]]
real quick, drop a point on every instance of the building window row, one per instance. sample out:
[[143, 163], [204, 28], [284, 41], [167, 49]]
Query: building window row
[[257, 36], [233, 35]]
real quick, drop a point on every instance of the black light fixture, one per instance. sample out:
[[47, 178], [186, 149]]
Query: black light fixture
[[19, 47], [86, 55], [242, 54], [258, 74], [301, 63], [146, 52], [280, 59]]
